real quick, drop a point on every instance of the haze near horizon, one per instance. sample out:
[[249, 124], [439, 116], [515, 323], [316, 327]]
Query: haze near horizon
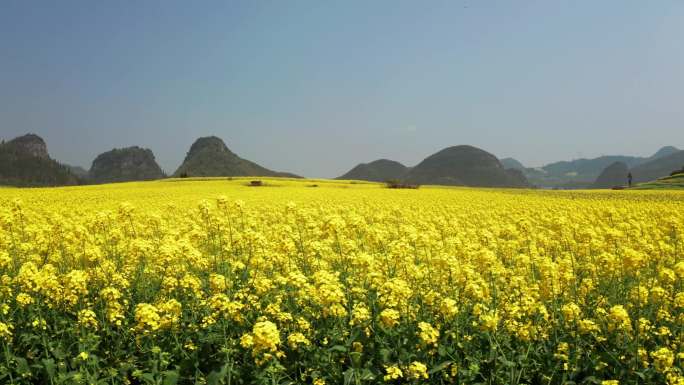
[[315, 88]]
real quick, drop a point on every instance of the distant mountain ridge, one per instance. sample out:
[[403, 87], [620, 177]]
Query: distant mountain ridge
[[209, 156], [30, 145], [662, 164], [657, 168], [464, 165], [583, 172], [616, 174], [25, 161], [473, 168], [512, 163], [124, 165], [457, 166], [78, 171], [380, 170], [663, 152]]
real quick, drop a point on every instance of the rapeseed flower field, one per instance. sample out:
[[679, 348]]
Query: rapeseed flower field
[[215, 282]]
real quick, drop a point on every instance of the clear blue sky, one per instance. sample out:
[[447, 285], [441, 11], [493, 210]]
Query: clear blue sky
[[314, 87]]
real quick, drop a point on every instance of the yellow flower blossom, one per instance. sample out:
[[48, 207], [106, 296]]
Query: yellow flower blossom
[[663, 359], [392, 373], [87, 318], [417, 370], [5, 331], [389, 317], [296, 340], [343, 276], [147, 317], [265, 336], [618, 318], [428, 334]]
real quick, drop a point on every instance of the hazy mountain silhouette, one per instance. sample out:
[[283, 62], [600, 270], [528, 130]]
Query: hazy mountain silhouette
[[580, 172], [663, 152], [380, 170], [457, 166], [25, 161], [613, 175], [125, 164], [658, 168], [78, 171], [464, 166], [209, 156], [512, 163]]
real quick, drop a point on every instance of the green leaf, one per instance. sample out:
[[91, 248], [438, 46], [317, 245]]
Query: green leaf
[[439, 367], [58, 353], [170, 377], [148, 377], [505, 362], [214, 378], [338, 348], [348, 376], [49, 366], [367, 375], [385, 355], [22, 365]]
